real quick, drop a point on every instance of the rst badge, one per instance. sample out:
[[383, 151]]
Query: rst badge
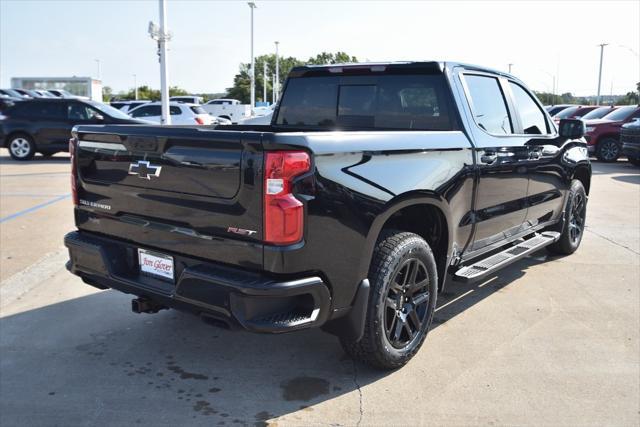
[[144, 169]]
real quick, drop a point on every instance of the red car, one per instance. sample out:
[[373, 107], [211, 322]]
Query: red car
[[603, 135], [574, 112]]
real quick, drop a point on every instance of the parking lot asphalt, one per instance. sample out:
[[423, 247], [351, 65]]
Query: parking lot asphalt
[[546, 341]]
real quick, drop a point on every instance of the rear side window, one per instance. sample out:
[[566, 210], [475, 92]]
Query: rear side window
[[147, 111], [488, 105], [173, 110], [419, 102], [531, 115], [198, 110], [79, 111], [41, 110]]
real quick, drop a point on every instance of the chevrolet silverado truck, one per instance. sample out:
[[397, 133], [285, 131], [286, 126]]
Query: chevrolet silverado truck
[[372, 185]]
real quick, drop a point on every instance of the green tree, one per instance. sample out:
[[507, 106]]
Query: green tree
[[107, 93], [631, 98], [145, 92], [331, 58], [241, 88]]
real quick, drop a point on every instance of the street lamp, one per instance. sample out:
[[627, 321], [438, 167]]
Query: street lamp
[[510, 65], [252, 6], [600, 72], [135, 86], [276, 89], [553, 100], [162, 36], [264, 81], [98, 62]]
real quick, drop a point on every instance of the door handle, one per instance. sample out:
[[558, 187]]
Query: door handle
[[488, 157]]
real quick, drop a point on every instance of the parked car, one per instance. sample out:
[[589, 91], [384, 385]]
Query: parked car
[[230, 109], [555, 109], [61, 93], [127, 106], [295, 225], [181, 114], [190, 99], [603, 135], [32, 93], [630, 141], [44, 125], [7, 102], [44, 93], [13, 93], [257, 120], [574, 112], [598, 113]]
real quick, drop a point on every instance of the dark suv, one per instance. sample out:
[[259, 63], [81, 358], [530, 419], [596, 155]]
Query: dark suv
[[44, 125]]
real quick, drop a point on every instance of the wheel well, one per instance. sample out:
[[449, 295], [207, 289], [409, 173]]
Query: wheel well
[[605, 136], [15, 133], [583, 175], [428, 222]]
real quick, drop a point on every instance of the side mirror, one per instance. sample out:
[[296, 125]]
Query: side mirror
[[572, 128], [98, 117]]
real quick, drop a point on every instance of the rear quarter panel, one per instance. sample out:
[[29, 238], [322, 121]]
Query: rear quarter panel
[[360, 179]]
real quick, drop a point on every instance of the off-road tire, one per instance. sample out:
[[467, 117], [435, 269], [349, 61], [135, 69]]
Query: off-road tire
[[394, 250], [568, 243]]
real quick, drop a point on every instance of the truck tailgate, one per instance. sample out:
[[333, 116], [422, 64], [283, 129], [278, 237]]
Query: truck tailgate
[[195, 191]]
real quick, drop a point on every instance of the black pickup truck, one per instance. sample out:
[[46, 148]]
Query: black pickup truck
[[372, 184]]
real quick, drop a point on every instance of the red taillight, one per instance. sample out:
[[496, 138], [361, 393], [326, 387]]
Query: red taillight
[[199, 120], [74, 170], [283, 213]]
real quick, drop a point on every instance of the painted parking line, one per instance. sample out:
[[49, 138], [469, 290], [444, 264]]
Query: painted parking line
[[34, 208]]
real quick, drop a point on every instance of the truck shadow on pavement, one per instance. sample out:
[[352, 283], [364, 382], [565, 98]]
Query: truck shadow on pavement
[[91, 361], [5, 159]]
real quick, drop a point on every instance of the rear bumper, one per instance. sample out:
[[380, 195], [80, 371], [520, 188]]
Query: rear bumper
[[253, 301]]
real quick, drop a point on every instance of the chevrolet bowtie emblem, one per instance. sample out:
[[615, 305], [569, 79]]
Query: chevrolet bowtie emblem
[[144, 169]]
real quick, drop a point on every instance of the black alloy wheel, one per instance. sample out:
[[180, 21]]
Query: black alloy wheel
[[407, 302]]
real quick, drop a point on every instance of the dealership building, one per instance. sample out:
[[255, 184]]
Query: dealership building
[[80, 86]]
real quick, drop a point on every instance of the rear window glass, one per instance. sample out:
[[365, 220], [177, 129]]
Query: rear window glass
[[198, 110], [621, 113], [567, 112], [419, 102], [598, 113]]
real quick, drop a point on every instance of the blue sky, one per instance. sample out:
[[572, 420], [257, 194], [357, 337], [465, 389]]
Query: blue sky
[[210, 38]]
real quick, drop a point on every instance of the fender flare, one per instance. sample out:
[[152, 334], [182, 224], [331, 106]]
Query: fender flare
[[396, 204]]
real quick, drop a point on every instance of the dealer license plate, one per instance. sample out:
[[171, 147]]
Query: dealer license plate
[[156, 264]]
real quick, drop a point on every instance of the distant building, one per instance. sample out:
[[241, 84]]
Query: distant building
[[80, 86]]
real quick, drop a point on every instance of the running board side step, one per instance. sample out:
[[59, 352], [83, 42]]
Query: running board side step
[[508, 256]]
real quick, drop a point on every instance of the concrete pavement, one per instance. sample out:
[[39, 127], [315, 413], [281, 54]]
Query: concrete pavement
[[546, 342]]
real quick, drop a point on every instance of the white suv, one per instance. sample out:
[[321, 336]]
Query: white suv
[[181, 114]]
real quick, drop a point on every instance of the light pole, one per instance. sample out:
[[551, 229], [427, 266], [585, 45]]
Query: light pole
[[264, 81], [162, 36], [252, 6], [135, 86], [98, 62], [553, 100], [510, 65], [276, 89], [600, 72]]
